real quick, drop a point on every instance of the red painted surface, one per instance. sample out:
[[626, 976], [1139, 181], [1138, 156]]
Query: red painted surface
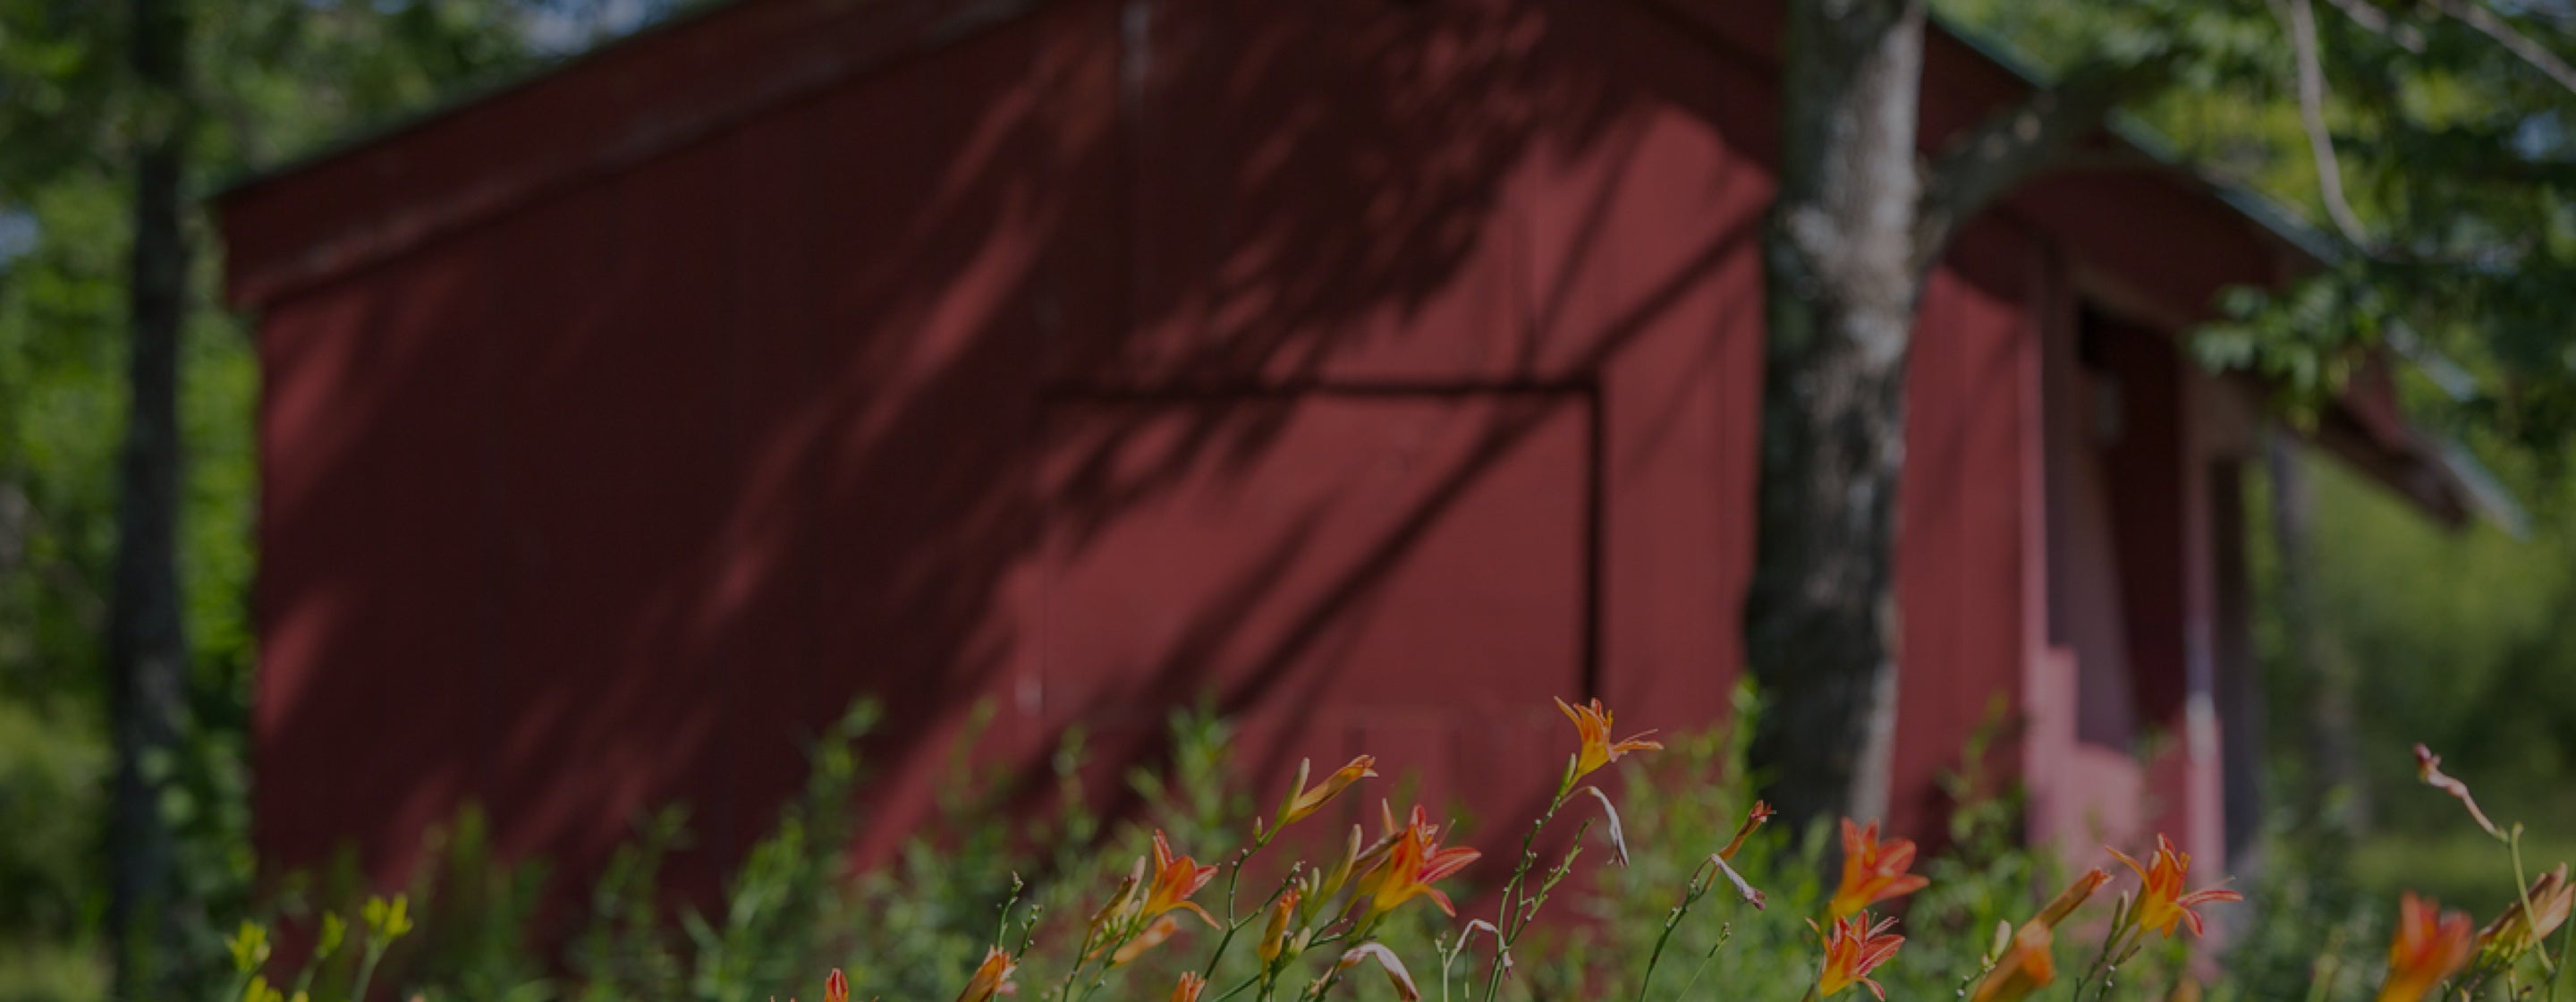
[[1377, 371]]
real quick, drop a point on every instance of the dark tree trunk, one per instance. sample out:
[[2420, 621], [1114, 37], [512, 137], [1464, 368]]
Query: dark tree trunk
[[2333, 750], [1842, 282], [146, 646]]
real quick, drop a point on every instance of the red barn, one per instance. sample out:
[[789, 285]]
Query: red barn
[[1378, 369]]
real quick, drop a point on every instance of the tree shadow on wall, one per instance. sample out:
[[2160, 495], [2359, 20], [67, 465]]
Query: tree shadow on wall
[[822, 407]]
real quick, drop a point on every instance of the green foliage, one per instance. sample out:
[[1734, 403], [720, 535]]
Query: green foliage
[[270, 78], [914, 928], [2453, 152], [2470, 657]]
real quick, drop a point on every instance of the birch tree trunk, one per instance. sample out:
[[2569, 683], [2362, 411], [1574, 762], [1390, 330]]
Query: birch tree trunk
[[1856, 226], [1841, 282]]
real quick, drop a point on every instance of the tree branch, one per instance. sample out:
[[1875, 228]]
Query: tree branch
[[2301, 20], [1978, 166], [2476, 15], [2370, 18]]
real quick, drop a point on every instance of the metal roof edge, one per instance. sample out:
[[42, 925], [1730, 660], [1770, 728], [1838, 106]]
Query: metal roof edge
[[464, 96], [2486, 492]]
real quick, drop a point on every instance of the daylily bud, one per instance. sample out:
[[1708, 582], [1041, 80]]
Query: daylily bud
[[1113, 913], [1189, 987], [1342, 870], [2026, 968], [1155, 933], [2428, 768], [2517, 931], [2072, 897], [989, 978], [837, 987], [1753, 819], [1302, 803], [1274, 936]]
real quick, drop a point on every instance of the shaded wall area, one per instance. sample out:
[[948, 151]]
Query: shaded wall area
[[1371, 371]]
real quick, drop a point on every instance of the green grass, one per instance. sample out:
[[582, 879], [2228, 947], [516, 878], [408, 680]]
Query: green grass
[[2462, 870]]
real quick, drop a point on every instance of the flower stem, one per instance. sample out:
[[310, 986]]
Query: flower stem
[[1724, 933], [2566, 942], [1233, 923], [1509, 921], [1692, 892], [2103, 961], [1081, 958], [367, 967], [1238, 989], [2522, 891]]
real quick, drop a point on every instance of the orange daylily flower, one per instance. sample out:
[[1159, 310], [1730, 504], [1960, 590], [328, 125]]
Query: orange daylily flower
[[2517, 930], [1175, 879], [1873, 872], [1592, 723], [1189, 987], [2161, 901], [1304, 802], [2071, 898], [1364, 861], [1412, 864], [2429, 947], [1853, 948], [837, 987], [2026, 966], [2428, 767], [990, 977], [1140, 910], [1753, 819]]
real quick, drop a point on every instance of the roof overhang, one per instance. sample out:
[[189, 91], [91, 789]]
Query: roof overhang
[[2365, 426], [365, 201]]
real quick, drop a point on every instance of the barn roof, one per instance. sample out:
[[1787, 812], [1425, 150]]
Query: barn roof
[[377, 195], [2364, 427]]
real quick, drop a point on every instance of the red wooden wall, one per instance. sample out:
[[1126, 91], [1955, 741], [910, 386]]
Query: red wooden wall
[[1377, 370]]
